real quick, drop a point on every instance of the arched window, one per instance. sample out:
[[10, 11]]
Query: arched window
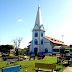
[[36, 34], [46, 50], [42, 42], [35, 42], [42, 34]]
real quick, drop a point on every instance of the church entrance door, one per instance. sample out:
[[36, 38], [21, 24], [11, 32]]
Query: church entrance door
[[46, 50], [35, 51]]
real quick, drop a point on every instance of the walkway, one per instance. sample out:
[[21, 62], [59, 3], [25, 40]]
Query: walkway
[[68, 69]]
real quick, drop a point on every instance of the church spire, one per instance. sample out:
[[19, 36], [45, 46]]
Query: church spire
[[38, 17]]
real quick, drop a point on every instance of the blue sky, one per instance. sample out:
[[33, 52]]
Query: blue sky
[[17, 19]]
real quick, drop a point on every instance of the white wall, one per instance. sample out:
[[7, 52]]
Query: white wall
[[33, 38], [39, 46], [47, 45]]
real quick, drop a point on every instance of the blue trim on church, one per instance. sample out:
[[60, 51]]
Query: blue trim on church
[[41, 41], [35, 42], [41, 34], [36, 34], [37, 25], [32, 52], [46, 49], [50, 52], [36, 29], [42, 53]]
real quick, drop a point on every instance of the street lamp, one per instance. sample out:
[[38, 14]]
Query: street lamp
[[62, 37]]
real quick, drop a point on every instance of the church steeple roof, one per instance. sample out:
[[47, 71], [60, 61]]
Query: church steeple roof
[[38, 17], [38, 22]]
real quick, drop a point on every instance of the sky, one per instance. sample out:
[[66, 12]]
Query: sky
[[17, 19]]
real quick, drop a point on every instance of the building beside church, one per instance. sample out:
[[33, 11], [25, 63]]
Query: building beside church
[[40, 43]]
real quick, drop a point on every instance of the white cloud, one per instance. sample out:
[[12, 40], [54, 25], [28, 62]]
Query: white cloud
[[20, 20], [24, 44]]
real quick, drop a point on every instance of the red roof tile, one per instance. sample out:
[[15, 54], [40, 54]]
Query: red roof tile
[[55, 40]]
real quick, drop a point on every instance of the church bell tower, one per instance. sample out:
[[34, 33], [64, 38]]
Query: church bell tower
[[38, 34]]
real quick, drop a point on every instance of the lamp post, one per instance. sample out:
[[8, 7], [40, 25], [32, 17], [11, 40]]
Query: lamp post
[[62, 37]]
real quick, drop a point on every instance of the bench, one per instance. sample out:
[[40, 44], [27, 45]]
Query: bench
[[11, 69], [44, 66]]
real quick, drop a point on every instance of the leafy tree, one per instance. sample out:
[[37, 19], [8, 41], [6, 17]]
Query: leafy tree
[[6, 48]]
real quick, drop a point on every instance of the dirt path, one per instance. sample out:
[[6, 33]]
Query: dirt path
[[68, 69], [0, 59]]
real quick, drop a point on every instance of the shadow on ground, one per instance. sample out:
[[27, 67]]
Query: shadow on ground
[[70, 65], [65, 65], [58, 69]]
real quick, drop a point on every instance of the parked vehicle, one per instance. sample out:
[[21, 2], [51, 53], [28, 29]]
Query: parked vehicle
[[64, 56]]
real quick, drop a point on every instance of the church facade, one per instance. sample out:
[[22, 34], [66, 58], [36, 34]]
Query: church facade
[[40, 43]]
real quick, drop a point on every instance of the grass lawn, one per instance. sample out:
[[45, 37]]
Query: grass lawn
[[27, 66]]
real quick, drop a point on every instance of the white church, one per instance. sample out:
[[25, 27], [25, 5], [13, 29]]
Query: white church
[[40, 43]]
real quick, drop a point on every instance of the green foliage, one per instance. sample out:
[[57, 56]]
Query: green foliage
[[27, 66], [26, 49], [6, 48]]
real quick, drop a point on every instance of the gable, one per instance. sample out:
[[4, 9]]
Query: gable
[[41, 27], [36, 26], [46, 40]]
